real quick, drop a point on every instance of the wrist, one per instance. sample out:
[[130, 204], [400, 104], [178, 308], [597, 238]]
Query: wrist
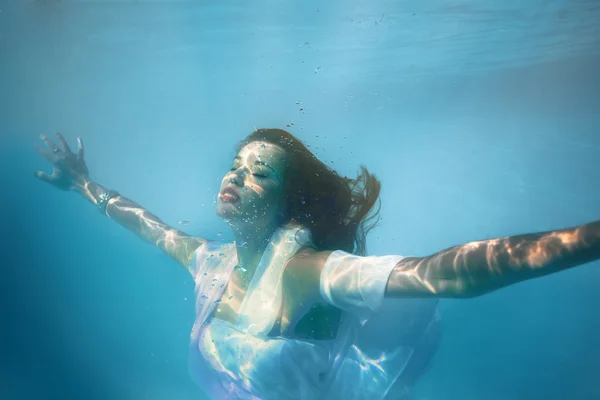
[[104, 198], [94, 192], [98, 195], [81, 184]]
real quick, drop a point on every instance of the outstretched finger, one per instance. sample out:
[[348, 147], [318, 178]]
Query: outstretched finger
[[50, 144], [42, 176], [63, 142], [80, 148], [44, 154]]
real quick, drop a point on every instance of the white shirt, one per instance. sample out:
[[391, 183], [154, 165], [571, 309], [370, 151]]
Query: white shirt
[[239, 361]]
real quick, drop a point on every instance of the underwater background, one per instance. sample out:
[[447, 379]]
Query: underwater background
[[482, 119]]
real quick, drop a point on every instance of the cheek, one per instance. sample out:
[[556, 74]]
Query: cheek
[[256, 190], [263, 189], [268, 194], [274, 196]]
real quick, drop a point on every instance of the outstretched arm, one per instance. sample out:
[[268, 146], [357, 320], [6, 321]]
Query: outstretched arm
[[175, 243], [71, 173], [481, 267]]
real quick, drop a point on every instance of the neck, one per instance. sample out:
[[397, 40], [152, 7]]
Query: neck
[[251, 242]]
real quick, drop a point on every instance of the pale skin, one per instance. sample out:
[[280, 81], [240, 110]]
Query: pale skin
[[253, 211]]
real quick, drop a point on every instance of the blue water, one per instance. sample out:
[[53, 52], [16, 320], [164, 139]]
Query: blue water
[[481, 120]]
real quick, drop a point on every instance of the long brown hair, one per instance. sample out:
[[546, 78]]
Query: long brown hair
[[336, 209]]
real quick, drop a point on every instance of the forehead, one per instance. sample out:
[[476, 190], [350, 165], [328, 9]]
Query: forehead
[[262, 151]]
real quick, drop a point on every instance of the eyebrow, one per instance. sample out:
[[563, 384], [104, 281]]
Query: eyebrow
[[257, 162]]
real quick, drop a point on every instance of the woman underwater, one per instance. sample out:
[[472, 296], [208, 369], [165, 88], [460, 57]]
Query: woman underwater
[[284, 312]]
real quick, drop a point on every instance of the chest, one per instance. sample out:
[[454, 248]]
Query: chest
[[298, 312]]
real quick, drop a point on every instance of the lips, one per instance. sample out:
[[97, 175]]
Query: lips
[[228, 195]]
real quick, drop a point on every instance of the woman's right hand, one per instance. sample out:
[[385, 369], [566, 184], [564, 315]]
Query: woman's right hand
[[69, 169]]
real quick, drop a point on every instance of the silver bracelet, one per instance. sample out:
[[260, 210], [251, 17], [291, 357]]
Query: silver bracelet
[[103, 200]]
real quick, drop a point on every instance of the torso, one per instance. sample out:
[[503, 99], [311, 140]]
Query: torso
[[303, 313], [262, 340], [289, 349]]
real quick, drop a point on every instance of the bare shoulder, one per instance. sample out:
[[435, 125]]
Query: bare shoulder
[[305, 267], [307, 261], [304, 309]]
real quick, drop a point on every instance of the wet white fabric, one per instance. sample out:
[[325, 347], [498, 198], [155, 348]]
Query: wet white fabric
[[262, 301], [239, 361], [356, 284]]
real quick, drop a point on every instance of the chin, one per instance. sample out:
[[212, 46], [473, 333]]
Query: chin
[[225, 211]]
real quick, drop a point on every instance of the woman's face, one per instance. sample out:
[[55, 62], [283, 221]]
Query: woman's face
[[253, 188]]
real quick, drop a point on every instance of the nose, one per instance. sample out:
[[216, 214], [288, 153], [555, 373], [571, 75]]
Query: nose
[[236, 177]]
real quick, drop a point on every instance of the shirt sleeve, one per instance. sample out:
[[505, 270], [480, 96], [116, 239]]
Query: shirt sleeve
[[356, 284]]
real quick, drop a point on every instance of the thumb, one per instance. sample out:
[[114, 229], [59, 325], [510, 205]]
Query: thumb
[[42, 176]]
